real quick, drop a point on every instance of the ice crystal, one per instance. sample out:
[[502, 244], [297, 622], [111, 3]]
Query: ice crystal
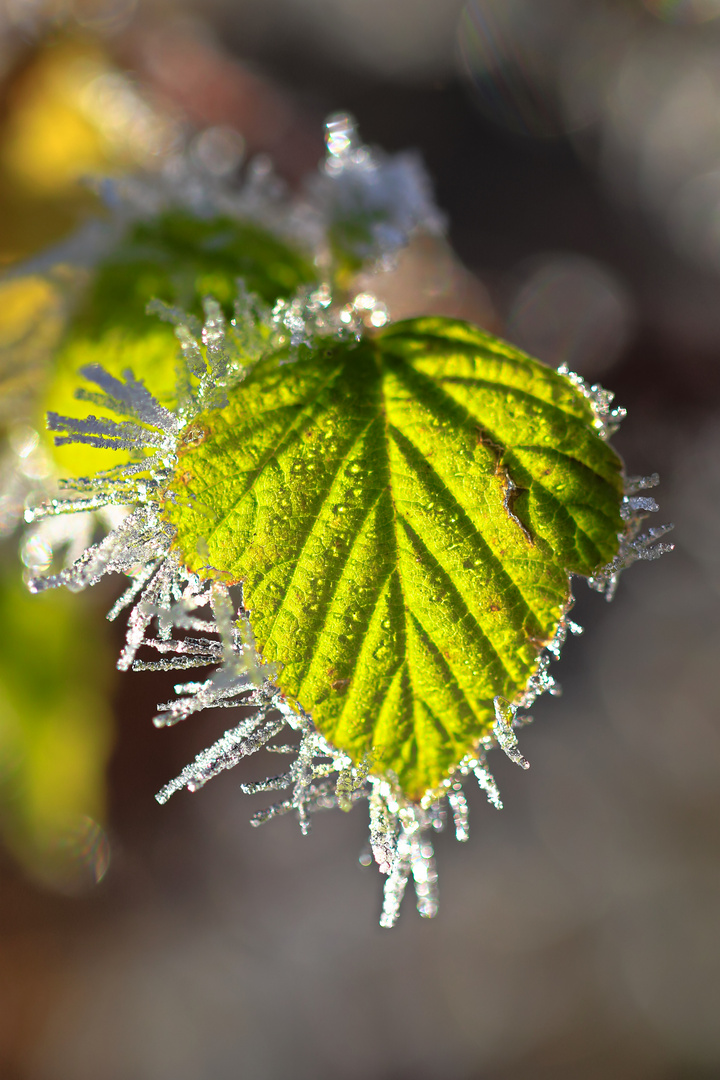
[[372, 202], [505, 714], [607, 419], [311, 314], [634, 543], [458, 805], [362, 203]]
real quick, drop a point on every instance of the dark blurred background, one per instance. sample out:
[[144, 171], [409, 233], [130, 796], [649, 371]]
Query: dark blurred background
[[575, 147]]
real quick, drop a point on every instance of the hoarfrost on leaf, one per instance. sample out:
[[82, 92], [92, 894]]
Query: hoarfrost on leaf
[[373, 202]]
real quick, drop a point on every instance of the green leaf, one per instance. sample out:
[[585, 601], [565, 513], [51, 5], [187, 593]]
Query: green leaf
[[55, 726], [403, 513], [176, 258]]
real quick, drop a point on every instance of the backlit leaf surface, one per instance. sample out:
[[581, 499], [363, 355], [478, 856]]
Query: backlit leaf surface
[[404, 514]]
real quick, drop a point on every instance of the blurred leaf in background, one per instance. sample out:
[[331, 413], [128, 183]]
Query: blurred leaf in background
[[31, 321], [68, 114], [176, 258], [47, 143], [55, 735]]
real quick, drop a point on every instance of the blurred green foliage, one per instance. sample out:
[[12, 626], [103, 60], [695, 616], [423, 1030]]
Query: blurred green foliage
[[176, 258], [55, 730]]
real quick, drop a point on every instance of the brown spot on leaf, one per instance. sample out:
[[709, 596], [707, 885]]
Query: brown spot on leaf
[[194, 435]]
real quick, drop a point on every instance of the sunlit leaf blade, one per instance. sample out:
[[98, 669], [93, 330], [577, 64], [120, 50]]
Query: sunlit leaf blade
[[403, 513], [176, 258]]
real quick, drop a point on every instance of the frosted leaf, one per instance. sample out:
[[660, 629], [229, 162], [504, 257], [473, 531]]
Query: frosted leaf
[[372, 202], [191, 624], [165, 599], [364, 204], [258, 195]]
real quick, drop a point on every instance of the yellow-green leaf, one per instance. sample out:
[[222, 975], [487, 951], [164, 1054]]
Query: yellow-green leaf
[[404, 514]]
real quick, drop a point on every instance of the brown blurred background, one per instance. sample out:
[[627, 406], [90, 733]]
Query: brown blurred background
[[575, 147]]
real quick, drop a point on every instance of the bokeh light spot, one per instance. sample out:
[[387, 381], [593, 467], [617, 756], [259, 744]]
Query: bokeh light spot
[[570, 310]]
